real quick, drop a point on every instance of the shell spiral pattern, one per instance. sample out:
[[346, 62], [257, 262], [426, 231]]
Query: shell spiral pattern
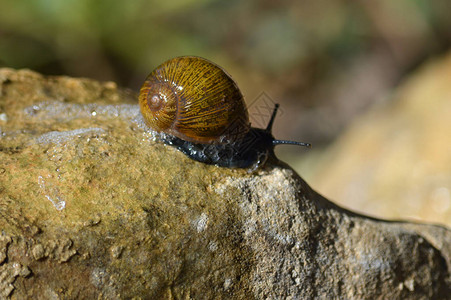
[[195, 100]]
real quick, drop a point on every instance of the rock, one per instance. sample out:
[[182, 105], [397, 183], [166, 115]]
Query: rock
[[395, 161], [92, 207]]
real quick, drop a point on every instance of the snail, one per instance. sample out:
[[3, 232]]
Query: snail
[[198, 108]]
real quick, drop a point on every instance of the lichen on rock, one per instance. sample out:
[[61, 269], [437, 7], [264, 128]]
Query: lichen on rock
[[92, 207]]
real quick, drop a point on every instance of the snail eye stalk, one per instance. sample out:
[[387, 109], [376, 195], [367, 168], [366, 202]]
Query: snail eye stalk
[[279, 142], [273, 116]]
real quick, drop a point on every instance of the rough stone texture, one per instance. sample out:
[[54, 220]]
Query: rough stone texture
[[92, 207], [395, 161]]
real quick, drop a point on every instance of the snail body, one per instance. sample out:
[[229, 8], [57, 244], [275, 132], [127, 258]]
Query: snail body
[[201, 111]]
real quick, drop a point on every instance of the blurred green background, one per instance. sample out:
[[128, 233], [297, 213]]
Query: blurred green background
[[326, 62]]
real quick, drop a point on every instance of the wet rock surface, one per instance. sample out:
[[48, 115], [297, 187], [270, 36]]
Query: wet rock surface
[[92, 207]]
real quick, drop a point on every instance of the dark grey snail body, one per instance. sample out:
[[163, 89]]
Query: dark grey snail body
[[201, 111]]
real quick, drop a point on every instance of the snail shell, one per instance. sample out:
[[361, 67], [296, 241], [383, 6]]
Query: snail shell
[[195, 100]]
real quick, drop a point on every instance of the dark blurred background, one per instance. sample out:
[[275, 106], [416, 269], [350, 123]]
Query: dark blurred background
[[324, 61]]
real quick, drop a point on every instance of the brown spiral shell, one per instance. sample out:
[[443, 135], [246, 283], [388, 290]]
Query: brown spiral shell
[[195, 100]]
